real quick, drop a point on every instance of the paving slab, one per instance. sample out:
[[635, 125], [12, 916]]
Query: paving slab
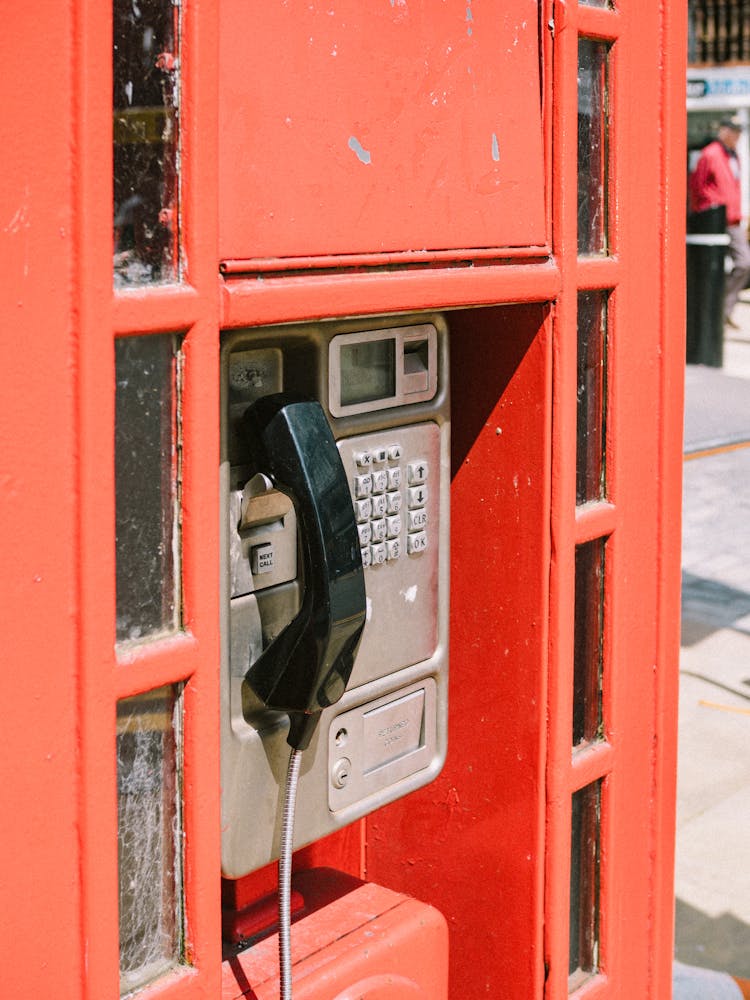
[[717, 408]]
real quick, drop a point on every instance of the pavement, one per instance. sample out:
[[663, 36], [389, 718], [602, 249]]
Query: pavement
[[712, 870]]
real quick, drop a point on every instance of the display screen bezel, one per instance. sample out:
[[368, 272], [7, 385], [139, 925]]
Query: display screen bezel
[[400, 389]]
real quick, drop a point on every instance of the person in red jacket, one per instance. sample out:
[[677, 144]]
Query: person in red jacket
[[716, 181]]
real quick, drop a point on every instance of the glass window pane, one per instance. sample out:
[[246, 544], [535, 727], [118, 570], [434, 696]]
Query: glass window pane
[[596, 3], [584, 884], [591, 404], [146, 136], [149, 836], [146, 486], [588, 642], [592, 146]]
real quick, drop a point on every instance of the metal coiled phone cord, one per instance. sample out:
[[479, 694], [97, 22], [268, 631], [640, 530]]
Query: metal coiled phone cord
[[285, 877]]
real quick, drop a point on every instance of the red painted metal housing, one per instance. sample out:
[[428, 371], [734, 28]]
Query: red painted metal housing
[[428, 118]]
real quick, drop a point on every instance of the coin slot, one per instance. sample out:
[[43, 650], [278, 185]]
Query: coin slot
[[416, 365]]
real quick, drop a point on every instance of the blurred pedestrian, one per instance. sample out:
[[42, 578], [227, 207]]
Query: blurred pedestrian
[[716, 181]]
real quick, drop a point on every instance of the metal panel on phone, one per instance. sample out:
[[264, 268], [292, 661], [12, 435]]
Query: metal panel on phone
[[375, 745]]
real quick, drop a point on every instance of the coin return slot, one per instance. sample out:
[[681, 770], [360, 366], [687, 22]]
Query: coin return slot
[[393, 730]]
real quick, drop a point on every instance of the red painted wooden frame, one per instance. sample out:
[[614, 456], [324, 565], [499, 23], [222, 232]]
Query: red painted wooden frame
[[489, 842]]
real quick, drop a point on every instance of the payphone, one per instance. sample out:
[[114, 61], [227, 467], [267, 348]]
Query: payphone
[[369, 397]]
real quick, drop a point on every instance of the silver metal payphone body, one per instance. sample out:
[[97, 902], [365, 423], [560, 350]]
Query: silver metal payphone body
[[383, 384]]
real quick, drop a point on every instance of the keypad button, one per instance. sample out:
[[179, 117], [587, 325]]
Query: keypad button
[[379, 455], [394, 479], [363, 509], [416, 472], [378, 554], [365, 533], [378, 530], [394, 452], [379, 505], [416, 543], [393, 549], [393, 502], [393, 526], [363, 459], [379, 481], [261, 559], [417, 496], [417, 519], [366, 556], [363, 485]]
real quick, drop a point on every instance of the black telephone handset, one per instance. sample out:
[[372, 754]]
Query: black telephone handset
[[307, 666]]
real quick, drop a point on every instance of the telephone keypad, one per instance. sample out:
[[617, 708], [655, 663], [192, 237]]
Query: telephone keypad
[[379, 481], [378, 553], [417, 519], [379, 499], [362, 485], [363, 509], [416, 473], [378, 530], [417, 496], [379, 505], [365, 533], [416, 542]]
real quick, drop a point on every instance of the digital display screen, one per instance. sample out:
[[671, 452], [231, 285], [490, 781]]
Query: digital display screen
[[368, 371]]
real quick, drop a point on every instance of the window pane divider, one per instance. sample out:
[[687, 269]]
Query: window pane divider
[[596, 519], [599, 23], [589, 763], [598, 272], [173, 308], [155, 663]]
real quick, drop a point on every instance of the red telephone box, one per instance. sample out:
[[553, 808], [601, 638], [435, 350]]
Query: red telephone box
[[458, 226]]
